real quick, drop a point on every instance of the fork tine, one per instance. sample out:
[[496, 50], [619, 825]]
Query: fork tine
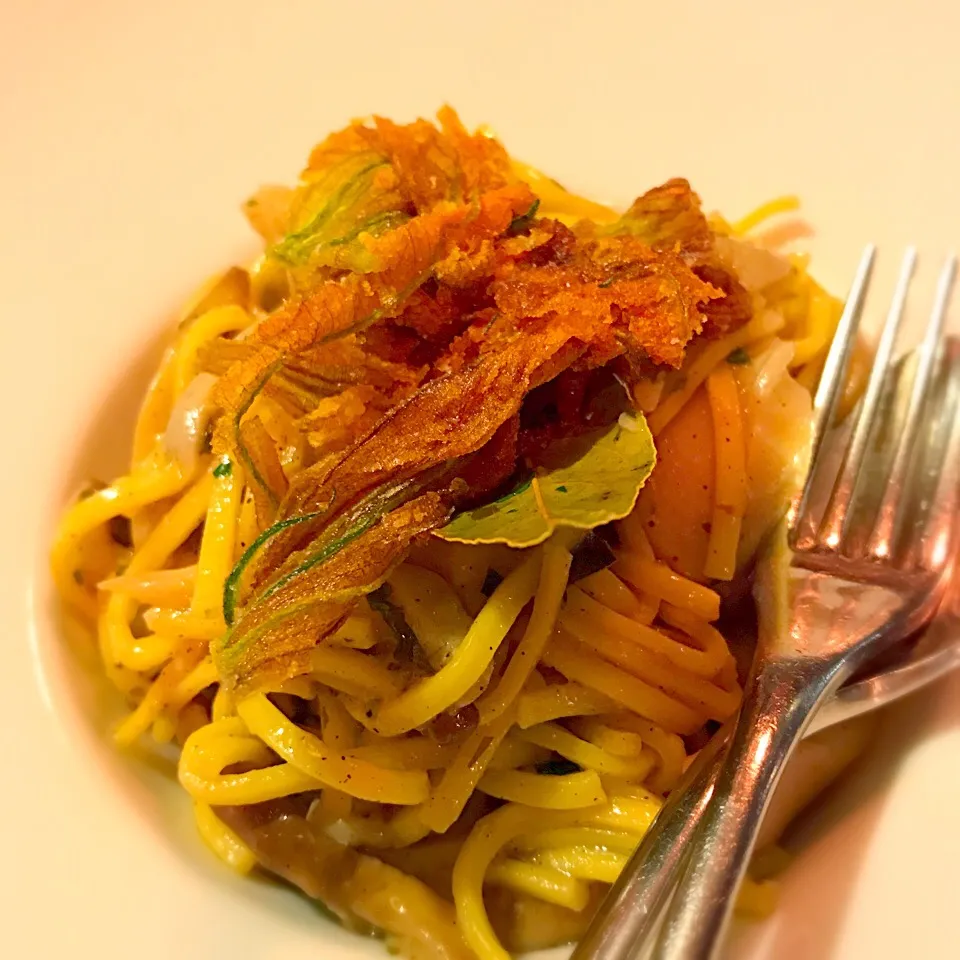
[[831, 380], [835, 517], [936, 543], [882, 540], [830, 387]]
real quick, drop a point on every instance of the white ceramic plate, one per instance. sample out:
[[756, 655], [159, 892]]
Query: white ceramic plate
[[130, 133]]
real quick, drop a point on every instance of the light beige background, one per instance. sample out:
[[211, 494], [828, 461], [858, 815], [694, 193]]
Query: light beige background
[[129, 134]]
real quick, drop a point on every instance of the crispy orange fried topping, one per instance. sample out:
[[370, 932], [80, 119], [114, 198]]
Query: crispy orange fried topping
[[427, 301]]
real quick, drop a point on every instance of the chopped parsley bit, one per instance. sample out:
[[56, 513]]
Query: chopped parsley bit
[[522, 223], [490, 582], [738, 357], [558, 768], [561, 489], [223, 469], [603, 284]]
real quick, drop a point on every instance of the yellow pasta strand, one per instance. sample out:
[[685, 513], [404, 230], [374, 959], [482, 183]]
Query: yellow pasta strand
[[161, 691], [620, 743], [352, 672], [554, 737], [668, 746], [609, 590], [435, 694], [154, 411], [309, 755], [710, 639], [181, 624], [461, 777], [333, 805], [546, 607], [559, 203], [585, 863], [652, 576], [339, 731], [574, 659], [568, 792], [514, 753], [419, 922], [227, 846], [545, 883], [156, 588], [203, 675], [583, 615], [123, 498], [765, 211], [699, 693], [406, 753], [492, 833], [730, 489], [485, 841], [633, 814], [585, 837], [822, 316], [560, 700], [217, 547], [222, 743], [358, 631], [223, 706], [117, 641]]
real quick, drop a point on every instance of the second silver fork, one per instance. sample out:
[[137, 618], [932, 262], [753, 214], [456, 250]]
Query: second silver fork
[[850, 578]]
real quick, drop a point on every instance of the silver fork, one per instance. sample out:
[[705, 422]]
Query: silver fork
[[847, 578]]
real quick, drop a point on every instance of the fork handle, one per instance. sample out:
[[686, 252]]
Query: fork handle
[[629, 912], [779, 703]]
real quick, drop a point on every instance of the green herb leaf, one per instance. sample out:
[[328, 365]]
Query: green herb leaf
[[522, 223], [223, 469], [490, 582], [558, 768], [587, 481], [738, 357]]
